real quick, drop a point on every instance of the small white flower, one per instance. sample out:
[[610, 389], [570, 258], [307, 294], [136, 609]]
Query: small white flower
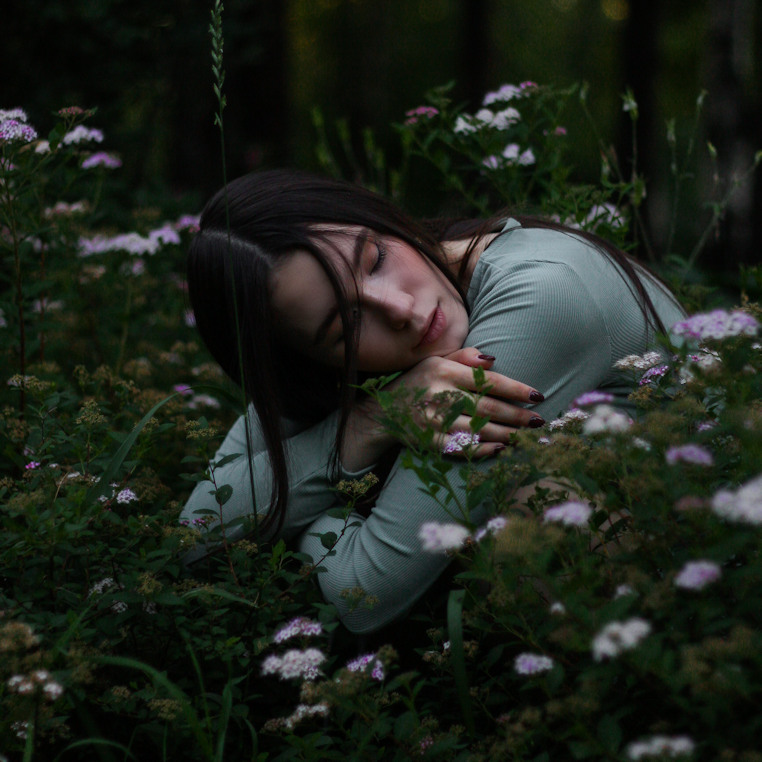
[[623, 590], [742, 505], [639, 362], [463, 126], [532, 664], [616, 637], [573, 513], [572, 416], [696, 575], [492, 527], [52, 690], [557, 608], [437, 538], [606, 420], [660, 746], [126, 496]]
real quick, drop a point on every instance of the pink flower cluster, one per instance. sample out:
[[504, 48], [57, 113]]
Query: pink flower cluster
[[301, 626], [718, 324], [14, 127], [689, 453], [361, 664], [439, 538], [459, 441], [102, 159], [696, 575], [421, 112], [594, 397], [652, 373]]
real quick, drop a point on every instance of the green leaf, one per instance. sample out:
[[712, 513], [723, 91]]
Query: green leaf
[[227, 459], [455, 630], [103, 485], [223, 494]]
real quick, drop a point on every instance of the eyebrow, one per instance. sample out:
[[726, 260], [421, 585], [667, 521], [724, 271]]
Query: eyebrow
[[325, 326]]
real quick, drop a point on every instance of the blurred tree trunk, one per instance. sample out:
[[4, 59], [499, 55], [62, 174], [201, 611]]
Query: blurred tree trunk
[[475, 54], [640, 72], [733, 117]]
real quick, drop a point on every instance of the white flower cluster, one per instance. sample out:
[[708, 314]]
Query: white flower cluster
[[439, 538], [639, 362], [705, 360], [743, 505], [606, 419], [303, 711], [39, 679], [62, 209], [598, 214], [294, 664], [572, 513], [718, 324], [82, 134], [104, 586], [301, 626], [660, 746], [492, 527], [571, 416], [696, 575], [532, 664], [616, 637], [132, 243]]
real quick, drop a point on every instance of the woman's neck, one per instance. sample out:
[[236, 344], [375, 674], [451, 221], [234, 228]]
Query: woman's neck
[[455, 251]]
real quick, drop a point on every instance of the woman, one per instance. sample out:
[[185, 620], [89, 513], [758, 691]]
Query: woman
[[328, 284]]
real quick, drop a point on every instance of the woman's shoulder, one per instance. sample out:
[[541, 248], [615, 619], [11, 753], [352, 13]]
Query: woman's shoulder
[[539, 254]]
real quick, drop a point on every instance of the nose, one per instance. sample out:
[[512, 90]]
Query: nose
[[394, 306]]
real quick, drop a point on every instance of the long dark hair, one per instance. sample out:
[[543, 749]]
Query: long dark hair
[[246, 229]]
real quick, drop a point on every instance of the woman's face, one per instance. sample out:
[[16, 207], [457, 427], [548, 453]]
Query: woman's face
[[408, 310]]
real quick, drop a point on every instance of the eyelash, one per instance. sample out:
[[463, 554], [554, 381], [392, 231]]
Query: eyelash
[[381, 257], [377, 265]]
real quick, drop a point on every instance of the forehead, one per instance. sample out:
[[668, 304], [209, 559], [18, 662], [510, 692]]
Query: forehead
[[301, 293]]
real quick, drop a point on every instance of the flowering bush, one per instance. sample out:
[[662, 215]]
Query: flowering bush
[[605, 610]]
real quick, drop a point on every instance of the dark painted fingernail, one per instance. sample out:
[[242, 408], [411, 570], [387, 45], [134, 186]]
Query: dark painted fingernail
[[536, 422], [536, 396], [486, 357]]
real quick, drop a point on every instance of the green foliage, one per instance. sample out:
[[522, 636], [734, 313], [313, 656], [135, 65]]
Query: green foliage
[[113, 648]]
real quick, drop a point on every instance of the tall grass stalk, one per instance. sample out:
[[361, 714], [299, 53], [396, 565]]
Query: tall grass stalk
[[218, 70]]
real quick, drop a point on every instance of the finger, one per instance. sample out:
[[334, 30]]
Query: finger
[[500, 385], [472, 357], [505, 414]]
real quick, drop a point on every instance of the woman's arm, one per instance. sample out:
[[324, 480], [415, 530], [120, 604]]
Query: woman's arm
[[310, 494]]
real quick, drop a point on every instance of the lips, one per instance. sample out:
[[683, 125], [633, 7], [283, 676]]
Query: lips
[[435, 327]]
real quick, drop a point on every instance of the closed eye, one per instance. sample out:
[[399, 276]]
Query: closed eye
[[380, 257]]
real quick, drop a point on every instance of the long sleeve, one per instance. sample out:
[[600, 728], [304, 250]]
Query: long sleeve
[[556, 315], [310, 494]]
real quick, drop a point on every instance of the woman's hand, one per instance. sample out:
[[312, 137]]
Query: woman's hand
[[454, 373], [366, 440]]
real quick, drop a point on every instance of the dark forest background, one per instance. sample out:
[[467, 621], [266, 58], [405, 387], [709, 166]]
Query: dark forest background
[[146, 65]]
